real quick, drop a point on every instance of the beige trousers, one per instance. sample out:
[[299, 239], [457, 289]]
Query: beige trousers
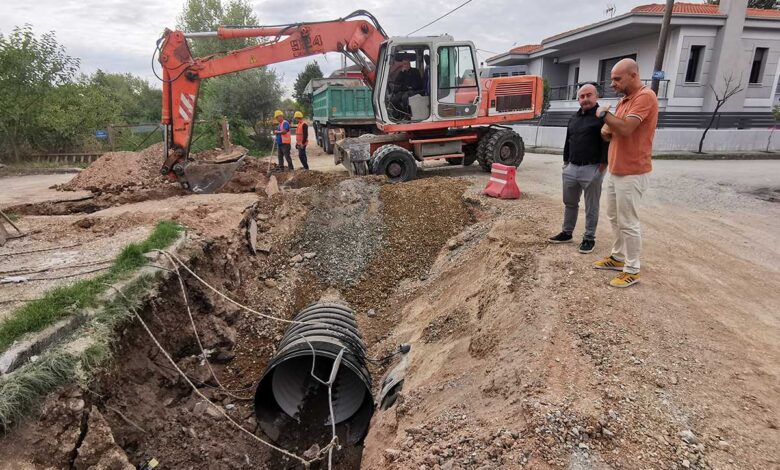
[[623, 196]]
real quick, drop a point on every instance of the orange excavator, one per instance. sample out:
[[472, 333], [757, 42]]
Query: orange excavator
[[428, 99]]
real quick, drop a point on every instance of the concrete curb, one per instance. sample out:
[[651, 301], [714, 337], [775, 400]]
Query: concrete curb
[[35, 343]]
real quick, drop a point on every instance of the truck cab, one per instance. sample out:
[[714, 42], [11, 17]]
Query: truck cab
[[425, 80]]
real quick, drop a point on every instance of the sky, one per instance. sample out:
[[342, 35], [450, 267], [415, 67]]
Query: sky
[[119, 35]]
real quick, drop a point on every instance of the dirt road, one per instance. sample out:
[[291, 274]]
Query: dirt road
[[34, 188], [580, 375]]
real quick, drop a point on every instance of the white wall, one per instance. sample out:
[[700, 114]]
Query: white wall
[[644, 47], [670, 140]]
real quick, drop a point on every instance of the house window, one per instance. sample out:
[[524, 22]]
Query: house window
[[605, 73], [694, 64], [759, 61]]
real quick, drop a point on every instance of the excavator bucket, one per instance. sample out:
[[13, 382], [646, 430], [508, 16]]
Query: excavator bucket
[[207, 177]]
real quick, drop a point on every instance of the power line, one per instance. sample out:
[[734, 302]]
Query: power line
[[442, 16]]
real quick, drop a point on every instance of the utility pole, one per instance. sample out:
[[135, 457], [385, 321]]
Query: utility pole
[[659, 55]]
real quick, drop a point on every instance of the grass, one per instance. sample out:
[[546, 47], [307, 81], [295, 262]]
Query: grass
[[12, 216], [22, 391], [63, 301], [19, 393]]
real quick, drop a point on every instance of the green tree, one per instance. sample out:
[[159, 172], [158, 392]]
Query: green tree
[[311, 71], [138, 102], [208, 15], [250, 96], [30, 68], [762, 4]]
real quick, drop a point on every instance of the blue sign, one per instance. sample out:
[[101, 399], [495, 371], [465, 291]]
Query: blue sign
[[658, 75], [101, 134]]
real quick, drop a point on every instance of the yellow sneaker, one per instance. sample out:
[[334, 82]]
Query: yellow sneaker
[[609, 263], [624, 280]]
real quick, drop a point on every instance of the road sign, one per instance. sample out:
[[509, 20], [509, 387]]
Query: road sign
[[658, 75], [101, 134]]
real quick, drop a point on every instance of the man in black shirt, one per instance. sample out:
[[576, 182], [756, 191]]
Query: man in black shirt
[[407, 83], [584, 164]]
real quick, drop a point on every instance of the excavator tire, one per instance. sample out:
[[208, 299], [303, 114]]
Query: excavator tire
[[470, 154], [396, 163], [504, 146], [484, 163]]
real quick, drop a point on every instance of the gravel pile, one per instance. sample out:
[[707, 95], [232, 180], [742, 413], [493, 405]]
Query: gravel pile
[[345, 232]]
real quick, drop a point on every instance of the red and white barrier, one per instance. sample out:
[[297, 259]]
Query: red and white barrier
[[502, 182]]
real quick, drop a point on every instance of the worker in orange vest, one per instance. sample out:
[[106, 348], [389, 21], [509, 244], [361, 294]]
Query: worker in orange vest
[[283, 140], [301, 138]]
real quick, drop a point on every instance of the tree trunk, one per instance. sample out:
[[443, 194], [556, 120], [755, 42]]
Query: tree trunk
[[712, 119]]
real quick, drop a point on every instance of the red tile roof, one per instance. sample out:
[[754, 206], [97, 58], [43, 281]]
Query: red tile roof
[[701, 9], [680, 8], [526, 49]]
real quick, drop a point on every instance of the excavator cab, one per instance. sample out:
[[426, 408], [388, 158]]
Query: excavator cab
[[426, 79]]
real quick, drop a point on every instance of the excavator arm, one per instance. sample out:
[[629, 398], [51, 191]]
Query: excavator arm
[[182, 75]]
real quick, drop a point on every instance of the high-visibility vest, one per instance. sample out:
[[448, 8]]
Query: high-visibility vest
[[286, 139], [300, 137]]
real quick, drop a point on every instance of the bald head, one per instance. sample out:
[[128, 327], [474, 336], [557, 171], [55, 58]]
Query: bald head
[[625, 76], [587, 96]]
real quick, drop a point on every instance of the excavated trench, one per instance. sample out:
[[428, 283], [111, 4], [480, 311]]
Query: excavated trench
[[348, 241]]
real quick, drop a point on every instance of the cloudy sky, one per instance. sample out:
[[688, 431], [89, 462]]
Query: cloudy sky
[[119, 35]]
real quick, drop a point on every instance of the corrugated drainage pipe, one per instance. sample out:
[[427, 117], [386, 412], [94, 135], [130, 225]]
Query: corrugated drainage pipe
[[289, 401]]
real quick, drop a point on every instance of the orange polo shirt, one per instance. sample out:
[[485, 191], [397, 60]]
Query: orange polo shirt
[[632, 154]]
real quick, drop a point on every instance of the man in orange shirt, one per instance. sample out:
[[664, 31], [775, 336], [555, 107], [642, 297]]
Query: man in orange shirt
[[630, 130]]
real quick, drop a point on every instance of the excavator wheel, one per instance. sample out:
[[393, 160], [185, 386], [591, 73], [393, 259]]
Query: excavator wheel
[[470, 154], [482, 150], [394, 162], [504, 146]]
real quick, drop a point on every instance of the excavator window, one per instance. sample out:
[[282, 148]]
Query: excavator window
[[407, 94], [458, 86]]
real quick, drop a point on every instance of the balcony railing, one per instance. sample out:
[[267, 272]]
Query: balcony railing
[[569, 92]]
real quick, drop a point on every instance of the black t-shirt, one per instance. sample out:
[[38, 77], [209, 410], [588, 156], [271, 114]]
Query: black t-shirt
[[584, 145], [408, 80]]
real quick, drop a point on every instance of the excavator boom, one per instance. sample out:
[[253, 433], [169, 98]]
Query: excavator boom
[[182, 75]]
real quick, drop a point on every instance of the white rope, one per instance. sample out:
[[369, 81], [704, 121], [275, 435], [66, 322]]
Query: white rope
[[197, 336], [304, 462], [237, 304]]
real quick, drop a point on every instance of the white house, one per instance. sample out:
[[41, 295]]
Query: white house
[[707, 44]]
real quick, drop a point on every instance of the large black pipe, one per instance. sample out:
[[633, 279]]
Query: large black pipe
[[290, 404]]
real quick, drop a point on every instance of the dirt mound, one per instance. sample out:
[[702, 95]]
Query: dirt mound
[[118, 171], [132, 171]]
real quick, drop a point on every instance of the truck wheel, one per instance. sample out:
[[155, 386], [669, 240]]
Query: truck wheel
[[505, 147], [455, 160], [482, 158], [396, 163], [326, 144], [317, 135], [470, 154]]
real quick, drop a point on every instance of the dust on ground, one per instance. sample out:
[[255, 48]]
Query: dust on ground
[[522, 357]]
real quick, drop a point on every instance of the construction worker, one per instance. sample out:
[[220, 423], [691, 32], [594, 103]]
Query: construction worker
[[283, 139], [301, 138]]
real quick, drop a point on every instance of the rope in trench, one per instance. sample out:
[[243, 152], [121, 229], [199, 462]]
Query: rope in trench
[[176, 262]]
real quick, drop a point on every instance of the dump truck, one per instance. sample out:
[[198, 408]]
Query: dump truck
[[341, 108]]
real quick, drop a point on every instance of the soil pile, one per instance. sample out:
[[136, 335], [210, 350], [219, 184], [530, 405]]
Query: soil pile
[[119, 171]]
